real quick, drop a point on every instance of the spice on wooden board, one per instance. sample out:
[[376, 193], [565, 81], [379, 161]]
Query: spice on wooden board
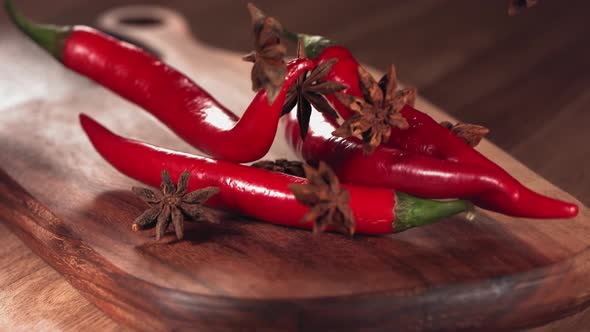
[[329, 204], [311, 90], [172, 205], [470, 133], [269, 68], [379, 110], [291, 167]]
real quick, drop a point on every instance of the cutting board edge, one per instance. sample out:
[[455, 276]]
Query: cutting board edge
[[96, 278]]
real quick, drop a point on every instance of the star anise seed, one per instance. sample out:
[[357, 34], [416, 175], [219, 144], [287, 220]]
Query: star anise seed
[[376, 113], [329, 204], [290, 167], [470, 133], [311, 89], [173, 205], [269, 68]]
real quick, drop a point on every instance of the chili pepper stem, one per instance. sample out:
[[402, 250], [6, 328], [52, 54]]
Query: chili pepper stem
[[290, 35], [313, 45], [412, 211], [49, 37]]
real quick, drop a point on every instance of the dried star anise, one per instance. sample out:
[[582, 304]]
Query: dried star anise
[[269, 68], [470, 133], [517, 6], [172, 205], [328, 202], [311, 90], [291, 167], [379, 110]]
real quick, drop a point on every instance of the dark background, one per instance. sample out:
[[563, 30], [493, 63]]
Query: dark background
[[525, 77]]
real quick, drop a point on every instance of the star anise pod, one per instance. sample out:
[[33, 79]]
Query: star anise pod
[[172, 205], [470, 133], [379, 110], [311, 89], [517, 6], [329, 204], [269, 68], [291, 167]]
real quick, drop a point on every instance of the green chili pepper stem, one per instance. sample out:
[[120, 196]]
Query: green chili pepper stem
[[49, 37], [289, 35], [412, 211], [313, 45]]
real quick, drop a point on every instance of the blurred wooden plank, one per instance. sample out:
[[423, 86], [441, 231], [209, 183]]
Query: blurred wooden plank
[[514, 56], [446, 37], [55, 305], [566, 157], [532, 99]]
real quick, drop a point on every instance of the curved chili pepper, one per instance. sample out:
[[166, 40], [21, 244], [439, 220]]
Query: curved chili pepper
[[188, 110], [426, 137], [390, 167], [243, 188]]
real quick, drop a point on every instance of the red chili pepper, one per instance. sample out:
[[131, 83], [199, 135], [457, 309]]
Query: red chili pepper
[[426, 137], [262, 194], [390, 167], [173, 98]]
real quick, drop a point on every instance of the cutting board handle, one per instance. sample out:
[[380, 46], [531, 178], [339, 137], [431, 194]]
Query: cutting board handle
[[144, 22], [160, 29]]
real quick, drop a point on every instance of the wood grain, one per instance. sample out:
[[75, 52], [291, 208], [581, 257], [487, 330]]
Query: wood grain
[[35, 297], [413, 260]]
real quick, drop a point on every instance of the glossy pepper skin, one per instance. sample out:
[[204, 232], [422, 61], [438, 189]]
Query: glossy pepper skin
[[188, 110], [426, 137], [390, 167], [258, 193]]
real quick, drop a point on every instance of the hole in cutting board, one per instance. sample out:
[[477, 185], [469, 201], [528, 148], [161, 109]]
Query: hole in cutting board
[[143, 21], [135, 42]]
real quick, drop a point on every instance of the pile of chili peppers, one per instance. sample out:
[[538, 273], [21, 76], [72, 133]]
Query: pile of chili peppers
[[425, 159]]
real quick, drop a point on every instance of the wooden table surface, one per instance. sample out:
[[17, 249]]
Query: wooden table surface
[[526, 77]]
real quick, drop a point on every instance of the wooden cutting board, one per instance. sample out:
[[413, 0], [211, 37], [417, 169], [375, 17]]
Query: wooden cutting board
[[75, 211]]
